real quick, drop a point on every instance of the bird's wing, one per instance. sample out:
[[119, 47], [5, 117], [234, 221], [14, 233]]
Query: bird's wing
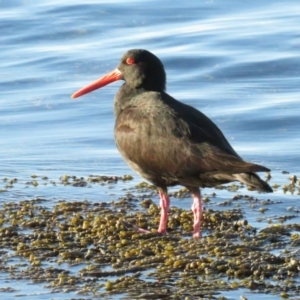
[[201, 127], [208, 144]]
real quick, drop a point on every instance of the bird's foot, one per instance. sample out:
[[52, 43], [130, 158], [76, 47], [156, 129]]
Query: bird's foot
[[133, 227], [159, 232], [197, 235], [141, 230]]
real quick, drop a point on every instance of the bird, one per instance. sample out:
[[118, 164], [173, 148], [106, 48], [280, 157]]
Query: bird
[[168, 142]]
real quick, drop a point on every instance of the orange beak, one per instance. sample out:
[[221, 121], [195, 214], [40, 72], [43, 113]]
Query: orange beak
[[101, 82]]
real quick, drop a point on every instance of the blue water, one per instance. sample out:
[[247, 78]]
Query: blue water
[[236, 61]]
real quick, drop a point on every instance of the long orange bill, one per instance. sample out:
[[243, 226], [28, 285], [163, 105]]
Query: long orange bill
[[110, 77]]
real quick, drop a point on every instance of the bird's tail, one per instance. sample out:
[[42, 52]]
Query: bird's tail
[[253, 180]]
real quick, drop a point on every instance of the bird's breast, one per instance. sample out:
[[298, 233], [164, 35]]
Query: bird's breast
[[146, 142]]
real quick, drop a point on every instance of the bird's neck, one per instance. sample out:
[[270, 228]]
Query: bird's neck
[[125, 97]]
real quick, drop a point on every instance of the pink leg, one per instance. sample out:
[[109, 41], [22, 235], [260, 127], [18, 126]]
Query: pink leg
[[164, 205], [197, 211]]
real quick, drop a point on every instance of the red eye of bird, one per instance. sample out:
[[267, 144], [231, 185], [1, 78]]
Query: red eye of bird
[[130, 61]]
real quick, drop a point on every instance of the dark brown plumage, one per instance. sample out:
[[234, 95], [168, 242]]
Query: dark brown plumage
[[168, 142]]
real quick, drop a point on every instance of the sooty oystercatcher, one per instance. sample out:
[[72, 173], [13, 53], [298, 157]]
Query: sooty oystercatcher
[[168, 142]]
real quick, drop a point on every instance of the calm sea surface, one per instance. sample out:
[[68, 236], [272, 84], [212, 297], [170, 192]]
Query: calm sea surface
[[236, 61]]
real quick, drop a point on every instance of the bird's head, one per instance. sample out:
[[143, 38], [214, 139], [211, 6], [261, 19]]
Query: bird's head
[[139, 68]]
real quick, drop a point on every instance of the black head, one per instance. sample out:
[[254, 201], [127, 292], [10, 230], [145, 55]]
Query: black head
[[141, 68]]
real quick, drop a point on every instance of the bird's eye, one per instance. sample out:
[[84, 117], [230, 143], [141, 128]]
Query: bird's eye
[[130, 61]]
